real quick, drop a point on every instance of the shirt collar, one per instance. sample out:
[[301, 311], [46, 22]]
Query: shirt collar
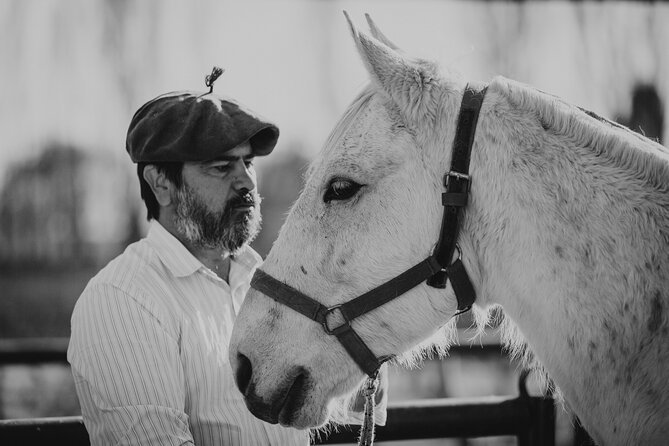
[[181, 262], [171, 251], [243, 264]]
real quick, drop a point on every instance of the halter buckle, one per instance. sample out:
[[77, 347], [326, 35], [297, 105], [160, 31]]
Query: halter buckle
[[343, 326], [458, 176], [439, 279], [456, 249]]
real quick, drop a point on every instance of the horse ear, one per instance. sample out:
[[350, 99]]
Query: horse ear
[[378, 35], [407, 82]]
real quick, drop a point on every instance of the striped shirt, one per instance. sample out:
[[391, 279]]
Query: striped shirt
[[149, 351]]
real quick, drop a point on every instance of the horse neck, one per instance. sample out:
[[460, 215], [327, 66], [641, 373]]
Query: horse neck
[[579, 274]]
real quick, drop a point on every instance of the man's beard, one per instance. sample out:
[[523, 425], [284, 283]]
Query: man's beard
[[229, 229]]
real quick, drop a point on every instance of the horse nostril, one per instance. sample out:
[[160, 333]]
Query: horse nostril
[[244, 372]]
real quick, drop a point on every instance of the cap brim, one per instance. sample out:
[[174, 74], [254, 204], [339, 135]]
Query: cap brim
[[264, 140]]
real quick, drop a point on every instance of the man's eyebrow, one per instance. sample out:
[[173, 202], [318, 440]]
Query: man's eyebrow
[[230, 158]]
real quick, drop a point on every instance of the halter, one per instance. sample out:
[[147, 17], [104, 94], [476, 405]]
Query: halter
[[436, 269]]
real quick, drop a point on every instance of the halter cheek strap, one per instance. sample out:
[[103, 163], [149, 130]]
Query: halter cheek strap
[[436, 269], [457, 183], [337, 320]]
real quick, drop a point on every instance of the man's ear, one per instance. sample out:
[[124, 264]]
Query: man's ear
[[162, 187]]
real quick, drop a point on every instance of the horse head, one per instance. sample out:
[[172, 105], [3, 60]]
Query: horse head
[[370, 209], [566, 227]]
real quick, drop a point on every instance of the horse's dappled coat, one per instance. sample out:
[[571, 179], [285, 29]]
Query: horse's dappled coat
[[567, 229]]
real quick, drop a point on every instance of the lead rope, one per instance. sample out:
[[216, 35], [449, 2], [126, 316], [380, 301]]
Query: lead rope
[[367, 428]]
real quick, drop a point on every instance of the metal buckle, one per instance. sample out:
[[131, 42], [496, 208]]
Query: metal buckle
[[346, 325], [457, 248], [457, 176], [434, 247]]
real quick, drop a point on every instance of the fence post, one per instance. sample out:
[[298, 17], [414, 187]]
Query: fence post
[[541, 410], [2, 393]]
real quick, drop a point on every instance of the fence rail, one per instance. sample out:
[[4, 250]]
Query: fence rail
[[54, 350], [530, 419], [33, 351]]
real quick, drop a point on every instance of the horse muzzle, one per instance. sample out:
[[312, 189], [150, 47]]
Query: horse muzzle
[[280, 404]]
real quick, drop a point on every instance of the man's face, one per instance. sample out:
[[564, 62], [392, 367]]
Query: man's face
[[218, 206]]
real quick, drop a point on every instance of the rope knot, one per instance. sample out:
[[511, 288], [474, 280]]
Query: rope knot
[[211, 78], [371, 385], [367, 428]]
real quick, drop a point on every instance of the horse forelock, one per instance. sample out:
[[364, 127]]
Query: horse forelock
[[363, 139], [354, 110]]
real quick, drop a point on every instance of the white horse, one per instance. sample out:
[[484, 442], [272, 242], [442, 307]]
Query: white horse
[[567, 229]]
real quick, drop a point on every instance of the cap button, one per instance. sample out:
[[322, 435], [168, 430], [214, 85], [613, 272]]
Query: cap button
[[211, 78]]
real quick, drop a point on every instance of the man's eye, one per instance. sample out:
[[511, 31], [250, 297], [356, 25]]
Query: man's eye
[[248, 163], [341, 189], [221, 167]]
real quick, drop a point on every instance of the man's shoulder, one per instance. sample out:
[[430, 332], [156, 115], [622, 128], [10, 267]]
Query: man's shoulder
[[129, 269], [134, 279]]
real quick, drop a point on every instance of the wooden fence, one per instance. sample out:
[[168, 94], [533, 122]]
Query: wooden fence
[[531, 419]]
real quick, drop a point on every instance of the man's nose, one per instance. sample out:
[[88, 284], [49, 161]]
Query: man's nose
[[244, 178]]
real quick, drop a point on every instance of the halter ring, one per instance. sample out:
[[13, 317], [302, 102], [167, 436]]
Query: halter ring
[[346, 325], [457, 248]]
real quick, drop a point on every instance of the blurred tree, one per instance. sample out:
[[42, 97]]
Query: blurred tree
[[65, 208], [647, 114], [39, 208]]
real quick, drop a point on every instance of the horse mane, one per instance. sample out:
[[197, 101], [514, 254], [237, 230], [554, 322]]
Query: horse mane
[[628, 150]]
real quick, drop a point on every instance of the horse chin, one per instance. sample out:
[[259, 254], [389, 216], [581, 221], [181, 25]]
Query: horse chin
[[303, 409], [305, 417], [291, 404]]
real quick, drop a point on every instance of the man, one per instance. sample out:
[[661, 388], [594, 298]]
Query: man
[[150, 332]]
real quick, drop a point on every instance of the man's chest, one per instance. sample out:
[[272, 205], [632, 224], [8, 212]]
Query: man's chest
[[204, 314]]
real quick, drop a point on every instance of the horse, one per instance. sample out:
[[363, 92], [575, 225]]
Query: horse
[[566, 228]]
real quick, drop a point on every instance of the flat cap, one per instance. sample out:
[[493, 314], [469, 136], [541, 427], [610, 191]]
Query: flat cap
[[190, 126]]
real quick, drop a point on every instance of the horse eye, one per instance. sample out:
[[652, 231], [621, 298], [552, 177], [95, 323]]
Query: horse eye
[[341, 189]]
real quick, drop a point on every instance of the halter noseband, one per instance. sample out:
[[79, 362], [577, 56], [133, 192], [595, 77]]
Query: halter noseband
[[436, 269]]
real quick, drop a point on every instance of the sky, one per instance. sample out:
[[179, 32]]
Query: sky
[[74, 71]]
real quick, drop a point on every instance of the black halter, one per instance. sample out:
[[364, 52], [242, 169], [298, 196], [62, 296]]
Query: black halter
[[435, 269]]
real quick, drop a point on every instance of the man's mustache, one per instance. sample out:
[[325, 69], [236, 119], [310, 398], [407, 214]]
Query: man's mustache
[[248, 199]]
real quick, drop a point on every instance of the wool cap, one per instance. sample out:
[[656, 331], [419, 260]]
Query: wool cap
[[190, 126]]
